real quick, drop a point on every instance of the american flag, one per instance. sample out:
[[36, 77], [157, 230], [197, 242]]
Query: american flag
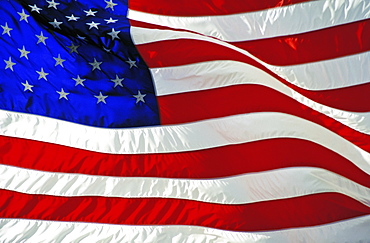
[[184, 121]]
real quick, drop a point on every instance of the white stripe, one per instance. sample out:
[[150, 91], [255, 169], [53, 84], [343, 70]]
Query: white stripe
[[216, 74], [185, 137], [335, 73], [37, 231], [322, 75], [242, 189], [287, 20]]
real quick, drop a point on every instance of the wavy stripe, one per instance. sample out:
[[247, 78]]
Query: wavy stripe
[[187, 137], [322, 75], [216, 74], [303, 211], [242, 158], [303, 47], [16, 230], [354, 98], [286, 20], [210, 75], [335, 72], [206, 7], [207, 105], [313, 46], [243, 189]]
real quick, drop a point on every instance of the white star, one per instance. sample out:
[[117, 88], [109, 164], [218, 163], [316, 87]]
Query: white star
[[27, 86], [79, 80], [52, 4], [72, 18], [6, 29], [42, 74], [90, 12], [9, 64], [95, 64], [140, 97], [117, 81], [93, 25], [59, 61], [56, 24], [114, 34], [23, 15], [62, 94], [73, 48], [41, 38], [111, 21], [24, 53], [110, 4], [101, 98], [131, 62], [35, 8]]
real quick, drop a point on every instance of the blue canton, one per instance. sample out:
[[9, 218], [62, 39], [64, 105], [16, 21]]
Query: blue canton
[[75, 61]]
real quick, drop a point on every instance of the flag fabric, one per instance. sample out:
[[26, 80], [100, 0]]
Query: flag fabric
[[185, 121]]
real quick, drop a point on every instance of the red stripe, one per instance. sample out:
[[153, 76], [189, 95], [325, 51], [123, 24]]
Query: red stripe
[[162, 53], [270, 215], [206, 7], [166, 53], [312, 46], [208, 163]]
